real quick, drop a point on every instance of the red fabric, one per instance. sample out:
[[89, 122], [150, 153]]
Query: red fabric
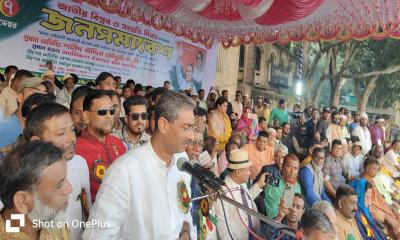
[[210, 12], [166, 7], [93, 150], [284, 11]]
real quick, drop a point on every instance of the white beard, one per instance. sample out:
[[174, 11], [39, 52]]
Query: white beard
[[46, 214]]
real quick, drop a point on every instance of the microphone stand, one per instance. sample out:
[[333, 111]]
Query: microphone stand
[[257, 215]]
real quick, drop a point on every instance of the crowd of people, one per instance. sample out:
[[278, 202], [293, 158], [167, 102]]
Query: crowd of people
[[101, 159]]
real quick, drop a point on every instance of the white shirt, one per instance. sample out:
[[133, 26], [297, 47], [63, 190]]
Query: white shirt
[[364, 136], [238, 230], [78, 176], [138, 199], [237, 107], [390, 162], [353, 164]]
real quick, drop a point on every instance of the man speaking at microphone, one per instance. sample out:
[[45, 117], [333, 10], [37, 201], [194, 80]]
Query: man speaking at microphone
[[144, 195]]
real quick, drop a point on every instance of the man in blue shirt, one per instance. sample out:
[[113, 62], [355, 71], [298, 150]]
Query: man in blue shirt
[[312, 178]]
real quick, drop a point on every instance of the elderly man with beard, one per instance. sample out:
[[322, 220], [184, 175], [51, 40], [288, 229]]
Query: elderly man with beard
[[312, 178], [144, 195], [133, 133], [287, 216], [51, 122], [285, 185], [346, 208], [96, 144], [33, 182]]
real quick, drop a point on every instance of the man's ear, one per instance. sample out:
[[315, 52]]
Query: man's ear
[[23, 202], [163, 125]]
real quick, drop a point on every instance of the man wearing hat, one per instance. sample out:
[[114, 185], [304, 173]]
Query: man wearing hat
[[354, 161], [279, 113], [377, 132], [238, 176], [322, 125], [64, 96], [363, 134]]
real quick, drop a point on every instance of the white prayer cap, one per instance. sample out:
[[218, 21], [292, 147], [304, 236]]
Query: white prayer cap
[[364, 115]]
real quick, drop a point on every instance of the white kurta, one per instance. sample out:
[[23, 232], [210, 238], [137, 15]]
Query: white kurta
[[236, 226], [138, 199], [364, 136], [390, 162], [78, 176], [354, 164]]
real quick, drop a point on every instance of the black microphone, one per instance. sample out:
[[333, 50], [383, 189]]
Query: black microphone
[[196, 164], [184, 165]]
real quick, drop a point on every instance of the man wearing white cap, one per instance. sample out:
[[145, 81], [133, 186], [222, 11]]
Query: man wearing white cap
[[363, 134], [354, 161], [64, 96], [239, 173]]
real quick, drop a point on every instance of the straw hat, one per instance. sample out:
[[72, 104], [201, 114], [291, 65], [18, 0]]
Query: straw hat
[[238, 159]]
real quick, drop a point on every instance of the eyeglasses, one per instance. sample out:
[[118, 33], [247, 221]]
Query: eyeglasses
[[195, 142], [143, 116], [103, 111]]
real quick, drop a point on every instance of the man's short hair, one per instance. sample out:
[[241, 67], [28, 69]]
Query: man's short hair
[[79, 92], [157, 92], [370, 160], [103, 76], [317, 150], [40, 114], [201, 90], [112, 94], [336, 142], [125, 87], [198, 111], [261, 119], [263, 134], [167, 81], [134, 101], [9, 68], [35, 99], [138, 87], [22, 168], [344, 190], [130, 81], [91, 96], [314, 219], [281, 148], [288, 158], [301, 196], [171, 103], [22, 73]]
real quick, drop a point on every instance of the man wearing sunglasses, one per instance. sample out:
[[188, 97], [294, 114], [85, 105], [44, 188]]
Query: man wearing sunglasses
[[96, 144], [142, 196], [133, 133]]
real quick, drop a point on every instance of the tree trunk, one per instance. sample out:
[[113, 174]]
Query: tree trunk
[[380, 103], [362, 104], [317, 93], [335, 91]]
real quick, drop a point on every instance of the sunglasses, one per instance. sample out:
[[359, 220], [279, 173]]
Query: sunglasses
[[103, 111], [143, 116]]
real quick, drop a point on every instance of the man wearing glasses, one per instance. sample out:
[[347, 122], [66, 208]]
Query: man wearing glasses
[[133, 133], [96, 144]]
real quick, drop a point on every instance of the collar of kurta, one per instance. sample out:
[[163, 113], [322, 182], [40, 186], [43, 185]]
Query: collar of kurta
[[86, 134]]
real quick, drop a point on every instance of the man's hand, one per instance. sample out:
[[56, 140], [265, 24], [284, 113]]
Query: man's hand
[[283, 211], [261, 182]]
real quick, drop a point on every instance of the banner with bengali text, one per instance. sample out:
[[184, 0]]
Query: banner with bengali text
[[85, 40]]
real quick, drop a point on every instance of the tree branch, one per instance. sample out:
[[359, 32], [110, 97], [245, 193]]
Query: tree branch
[[388, 70]]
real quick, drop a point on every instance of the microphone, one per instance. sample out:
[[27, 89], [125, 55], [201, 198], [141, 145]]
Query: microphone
[[196, 164], [184, 166]]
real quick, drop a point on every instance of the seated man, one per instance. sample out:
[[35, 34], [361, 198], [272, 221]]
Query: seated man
[[285, 185], [390, 161], [334, 171], [312, 179], [33, 183], [260, 154], [353, 161], [287, 216], [239, 173], [346, 208], [315, 225]]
